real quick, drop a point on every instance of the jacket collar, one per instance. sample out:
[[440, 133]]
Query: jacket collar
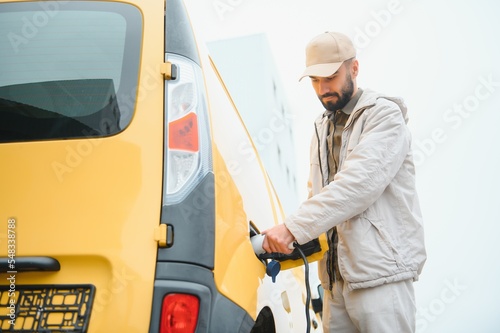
[[367, 99]]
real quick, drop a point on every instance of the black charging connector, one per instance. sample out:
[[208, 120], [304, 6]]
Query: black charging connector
[[307, 249]]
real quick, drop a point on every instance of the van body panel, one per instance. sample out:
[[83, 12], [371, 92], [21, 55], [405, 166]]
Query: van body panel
[[93, 203]]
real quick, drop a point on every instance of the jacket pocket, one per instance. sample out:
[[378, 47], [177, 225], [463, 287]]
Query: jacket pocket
[[365, 250]]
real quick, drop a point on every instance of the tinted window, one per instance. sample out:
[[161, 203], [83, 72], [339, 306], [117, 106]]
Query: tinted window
[[67, 69]]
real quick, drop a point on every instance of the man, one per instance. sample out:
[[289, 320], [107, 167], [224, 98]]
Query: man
[[362, 194]]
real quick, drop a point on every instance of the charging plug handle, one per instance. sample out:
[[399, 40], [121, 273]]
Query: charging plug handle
[[308, 249]]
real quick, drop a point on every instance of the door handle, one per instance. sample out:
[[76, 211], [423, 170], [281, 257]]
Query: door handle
[[29, 264]]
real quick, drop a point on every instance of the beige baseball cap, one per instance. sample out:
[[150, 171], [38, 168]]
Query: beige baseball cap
[[326, 52]]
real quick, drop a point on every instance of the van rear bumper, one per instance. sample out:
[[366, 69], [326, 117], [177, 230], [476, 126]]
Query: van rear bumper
[[217, 313]]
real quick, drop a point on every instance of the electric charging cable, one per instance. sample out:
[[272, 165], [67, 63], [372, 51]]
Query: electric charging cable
[[273, 267], [308, 287]]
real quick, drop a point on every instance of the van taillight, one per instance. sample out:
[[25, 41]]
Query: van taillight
[[179, 313], [188, 150]]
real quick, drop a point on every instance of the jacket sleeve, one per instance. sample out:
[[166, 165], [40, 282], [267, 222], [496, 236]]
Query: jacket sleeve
[[366, 171]]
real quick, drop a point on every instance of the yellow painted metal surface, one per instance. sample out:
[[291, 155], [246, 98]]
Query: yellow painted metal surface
[[94, 203]]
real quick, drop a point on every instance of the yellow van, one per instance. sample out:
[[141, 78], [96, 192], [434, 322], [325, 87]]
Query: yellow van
[[126, 205]]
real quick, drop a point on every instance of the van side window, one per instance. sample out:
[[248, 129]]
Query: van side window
[[67, 72]]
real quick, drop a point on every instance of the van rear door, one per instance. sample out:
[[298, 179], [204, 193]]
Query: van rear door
[[81, 164]]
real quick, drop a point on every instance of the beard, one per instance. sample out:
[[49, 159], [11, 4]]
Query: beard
[[342, 99]]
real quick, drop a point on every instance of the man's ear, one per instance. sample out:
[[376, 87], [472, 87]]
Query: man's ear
[[354, 67]]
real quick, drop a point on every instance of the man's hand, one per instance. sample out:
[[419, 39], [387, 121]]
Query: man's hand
[[277, 239]]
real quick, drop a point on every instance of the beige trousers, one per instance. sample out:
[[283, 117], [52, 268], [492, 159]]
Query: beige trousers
[[389, 308]]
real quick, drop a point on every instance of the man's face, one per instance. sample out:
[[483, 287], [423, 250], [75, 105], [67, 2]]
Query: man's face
[[334, 91]]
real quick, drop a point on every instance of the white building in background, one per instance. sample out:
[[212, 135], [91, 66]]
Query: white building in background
[[247, 66]]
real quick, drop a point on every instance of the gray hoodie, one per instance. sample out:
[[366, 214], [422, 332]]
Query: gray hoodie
[[372, 200]]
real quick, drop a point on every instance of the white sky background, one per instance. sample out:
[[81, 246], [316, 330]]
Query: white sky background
[[442, 58]]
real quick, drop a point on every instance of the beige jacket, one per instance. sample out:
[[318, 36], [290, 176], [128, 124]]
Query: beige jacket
[[372, 200]]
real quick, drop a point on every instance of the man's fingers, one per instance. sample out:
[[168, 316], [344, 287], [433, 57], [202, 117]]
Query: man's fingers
[[277, 240], [265, 245]]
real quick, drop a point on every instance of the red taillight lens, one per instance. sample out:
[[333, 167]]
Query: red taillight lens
[[179, 313], [183, 133]]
